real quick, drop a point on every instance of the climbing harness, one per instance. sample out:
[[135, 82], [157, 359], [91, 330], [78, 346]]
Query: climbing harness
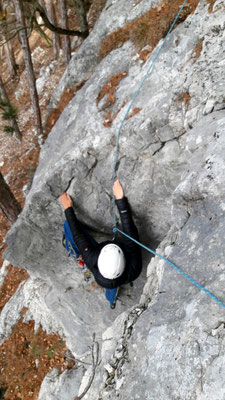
[[115, 229], [73, 251]]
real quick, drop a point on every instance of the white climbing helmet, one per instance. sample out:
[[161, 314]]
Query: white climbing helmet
[[111, 261]]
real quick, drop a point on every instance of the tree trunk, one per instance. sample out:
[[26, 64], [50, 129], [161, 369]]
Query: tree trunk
[[81, 14], [7, 45], [29, 66], [9, 206], [61, 31], [3, 93], [64, 24], [10, 58], [42, 3], [55, 37], [13, 121]]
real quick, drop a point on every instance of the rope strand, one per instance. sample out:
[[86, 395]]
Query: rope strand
[[174, 266], [115, 229], [149, 70]]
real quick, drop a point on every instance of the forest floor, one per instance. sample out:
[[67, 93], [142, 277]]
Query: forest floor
[[27, 356]]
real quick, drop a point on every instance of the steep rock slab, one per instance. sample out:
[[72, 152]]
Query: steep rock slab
[[71, 308], [175, 348], [66, 388], [79, 152], [154, 154]]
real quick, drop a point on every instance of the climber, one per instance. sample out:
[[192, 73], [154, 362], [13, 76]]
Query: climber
[[112, 263]]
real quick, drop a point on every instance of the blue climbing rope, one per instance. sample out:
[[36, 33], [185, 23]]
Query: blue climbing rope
[[115, 229], [174, 266], [149, 70]]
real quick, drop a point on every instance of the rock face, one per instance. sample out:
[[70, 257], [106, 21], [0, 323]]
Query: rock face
[[175, 348], [170, 344]]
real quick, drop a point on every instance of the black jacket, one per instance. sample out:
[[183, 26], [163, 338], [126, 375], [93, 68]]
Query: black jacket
[[90, 251]]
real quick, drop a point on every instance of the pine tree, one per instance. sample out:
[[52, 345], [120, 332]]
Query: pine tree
[[9, 113]]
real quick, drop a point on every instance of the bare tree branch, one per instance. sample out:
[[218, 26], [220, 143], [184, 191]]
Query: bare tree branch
[[37, 27], [95, 363], [52, 27], [15, 34]]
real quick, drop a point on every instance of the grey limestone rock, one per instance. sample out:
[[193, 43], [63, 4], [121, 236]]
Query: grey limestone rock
[[170, 344], [64, 386], [177, 345]]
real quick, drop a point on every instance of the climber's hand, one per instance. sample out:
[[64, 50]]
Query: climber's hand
[[118, 190], [66, 200]]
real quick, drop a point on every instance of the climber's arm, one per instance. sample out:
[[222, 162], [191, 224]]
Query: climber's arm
[[133, 250], [124, 211], [81, 238]]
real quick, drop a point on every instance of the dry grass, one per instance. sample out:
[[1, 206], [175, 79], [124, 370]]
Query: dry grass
[[145, 53], [198, 50], [55, 113], [110, 87], [149, 28], [108, 91], [195, 54], [26, 357], [133, 112], [184, 98], [11, 282], [110, 118], [95, 11], [211, 4]]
